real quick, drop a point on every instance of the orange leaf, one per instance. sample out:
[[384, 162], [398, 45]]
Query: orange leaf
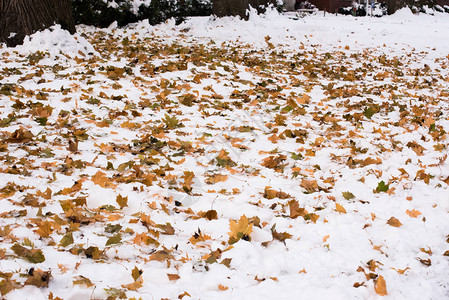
[[394, 222], [339, 208], [222, 287], [380, 286], [173, 277], [413, 213]]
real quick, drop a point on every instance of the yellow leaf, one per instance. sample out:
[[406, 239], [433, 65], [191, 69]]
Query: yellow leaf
[[240, 230], [339, 208]]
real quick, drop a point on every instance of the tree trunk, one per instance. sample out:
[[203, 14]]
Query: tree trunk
[[19, 18], [224, 8]]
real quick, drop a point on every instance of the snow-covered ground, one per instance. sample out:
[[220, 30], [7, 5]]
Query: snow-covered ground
[[279, 158]]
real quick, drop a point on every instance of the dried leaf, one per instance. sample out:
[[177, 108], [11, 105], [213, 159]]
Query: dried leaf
[[394, 222], [339, 208], [81, 280], [413, 213], [173, 277], [34, 256], [380, 286], [122, 201], [295, 210], [240, 230], [38, 278]]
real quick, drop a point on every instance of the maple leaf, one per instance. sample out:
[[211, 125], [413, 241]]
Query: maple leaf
[[102, 180], [199, 237], [45, 229], [143, 238], [311, 186], [380, 286], [339, 208], [295, 210], [382, 187], [240, 230], [122, 201], [280, 236]]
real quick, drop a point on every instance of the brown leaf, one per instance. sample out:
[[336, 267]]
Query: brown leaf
[[81, 280], [311, 186], [417, 148], [38, 278], [394, 222], [380, 286], [295, 210], [161, 255], [173, 277], [122, 201], [21, 135], [136, 273], [166, 229], [102, 180]]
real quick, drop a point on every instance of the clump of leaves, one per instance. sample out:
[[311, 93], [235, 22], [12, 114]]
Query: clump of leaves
[[240, 230]]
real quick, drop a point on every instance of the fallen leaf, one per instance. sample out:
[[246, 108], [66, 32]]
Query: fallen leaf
[[380, 286], [240, 230], [413, 213], [173, 277], [394, 222], [339, 208]]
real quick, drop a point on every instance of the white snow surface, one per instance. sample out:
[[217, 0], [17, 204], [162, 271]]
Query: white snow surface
[[341, 255]]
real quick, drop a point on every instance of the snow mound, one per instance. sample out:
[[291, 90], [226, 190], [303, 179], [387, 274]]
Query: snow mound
[[56, 40], [403, 13]]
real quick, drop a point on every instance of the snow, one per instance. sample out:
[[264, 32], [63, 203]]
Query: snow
[[270, 61]]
